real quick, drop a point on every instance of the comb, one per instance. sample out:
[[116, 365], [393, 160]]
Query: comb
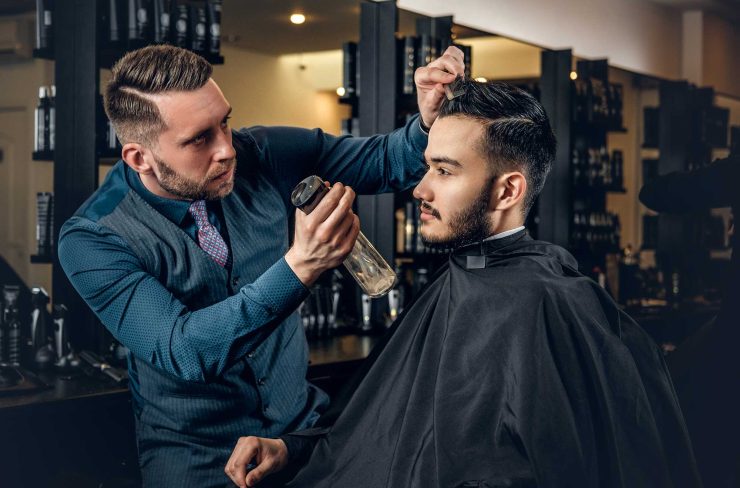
[[454, 90]]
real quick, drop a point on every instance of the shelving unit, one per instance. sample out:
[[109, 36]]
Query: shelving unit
[[583, 108], [77, 155]]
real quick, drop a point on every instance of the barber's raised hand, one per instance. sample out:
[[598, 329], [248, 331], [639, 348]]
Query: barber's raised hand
[[324, 237], [430, 81], [268, 456]]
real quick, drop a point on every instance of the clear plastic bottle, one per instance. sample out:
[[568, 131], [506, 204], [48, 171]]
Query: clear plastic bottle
[[365, 264]]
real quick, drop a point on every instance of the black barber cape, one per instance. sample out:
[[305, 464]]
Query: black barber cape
[[510, 369]]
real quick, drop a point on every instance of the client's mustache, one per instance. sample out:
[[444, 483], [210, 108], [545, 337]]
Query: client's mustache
[[430, 209]]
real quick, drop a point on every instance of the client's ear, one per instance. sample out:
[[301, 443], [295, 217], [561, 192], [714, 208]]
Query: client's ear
[[509, 191]]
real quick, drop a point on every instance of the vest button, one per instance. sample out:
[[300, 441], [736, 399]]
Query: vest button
[[262, 381], [234, 281]]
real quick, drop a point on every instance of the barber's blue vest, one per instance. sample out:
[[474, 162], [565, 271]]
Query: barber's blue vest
[[264, 393]]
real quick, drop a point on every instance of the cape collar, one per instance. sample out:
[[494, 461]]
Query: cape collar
[[474, 255]]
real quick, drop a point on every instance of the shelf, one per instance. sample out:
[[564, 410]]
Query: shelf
[[43, 54], [43, 156], [104, 157], [108, 56], [109, 156], [349, 100], [36, 259]]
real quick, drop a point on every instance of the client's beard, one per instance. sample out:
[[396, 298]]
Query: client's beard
[[468, 226]]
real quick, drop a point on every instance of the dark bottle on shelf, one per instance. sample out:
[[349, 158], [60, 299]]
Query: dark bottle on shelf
[[213, 18], [180, 23], [138, 16], [426, 50], [41, 121], [198, 27], [52, 116], [44, 24], [162, 11], [603, 165], [408, 58], [576, 165], [349, 68], [44, 223], [12, 321], [617, 169], [114, 13]]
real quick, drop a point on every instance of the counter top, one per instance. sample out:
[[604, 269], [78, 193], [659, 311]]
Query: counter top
[[339, 354]]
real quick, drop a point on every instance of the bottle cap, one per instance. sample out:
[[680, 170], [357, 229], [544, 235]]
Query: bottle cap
[[308, 193]]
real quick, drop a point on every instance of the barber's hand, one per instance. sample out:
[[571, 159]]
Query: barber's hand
[[324, 237], [430, 81], [268, 456]]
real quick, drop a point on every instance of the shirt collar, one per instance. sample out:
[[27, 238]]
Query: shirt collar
[[174, 210], [505, 233]]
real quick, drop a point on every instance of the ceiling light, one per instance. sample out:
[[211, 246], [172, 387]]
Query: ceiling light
[[298, 18], [481, 79], [573, 75], [341, 91]]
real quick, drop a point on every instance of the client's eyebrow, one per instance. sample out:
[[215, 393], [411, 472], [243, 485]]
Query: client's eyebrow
[[446, 160]]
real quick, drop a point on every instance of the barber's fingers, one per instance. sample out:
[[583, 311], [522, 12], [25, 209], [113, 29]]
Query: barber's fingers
[[327, 204], [444, 69], [341, 213], [236, 468], [430, 75]]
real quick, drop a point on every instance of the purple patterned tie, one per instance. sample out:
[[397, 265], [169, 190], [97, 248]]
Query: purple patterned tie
[[208, 237]]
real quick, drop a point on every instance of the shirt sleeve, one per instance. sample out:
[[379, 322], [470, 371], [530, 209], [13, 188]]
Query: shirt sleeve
[[195, 345], [712, 186], [370, 165]]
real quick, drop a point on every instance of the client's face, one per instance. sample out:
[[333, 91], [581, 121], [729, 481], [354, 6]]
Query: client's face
[[455, 192]]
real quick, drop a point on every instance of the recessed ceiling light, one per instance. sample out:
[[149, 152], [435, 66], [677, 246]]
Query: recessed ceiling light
[[298, 18], [481, 79], [341, 91], [573, 75]]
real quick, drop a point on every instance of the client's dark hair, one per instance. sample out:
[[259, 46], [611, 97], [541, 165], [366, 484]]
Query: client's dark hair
[[517, 131]]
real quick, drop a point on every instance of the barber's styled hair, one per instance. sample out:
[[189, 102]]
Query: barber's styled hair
[[149, 71], [517, 131]]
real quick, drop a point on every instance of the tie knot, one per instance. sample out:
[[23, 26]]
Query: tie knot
[[200, 214]]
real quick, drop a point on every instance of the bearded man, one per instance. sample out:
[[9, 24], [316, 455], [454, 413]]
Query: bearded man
[[511, 369]]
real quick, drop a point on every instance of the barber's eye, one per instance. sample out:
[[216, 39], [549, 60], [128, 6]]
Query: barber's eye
[[443, 172], [225, 122], [198, 140]]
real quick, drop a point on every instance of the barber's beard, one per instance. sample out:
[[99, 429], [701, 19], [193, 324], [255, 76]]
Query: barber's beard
[[188, 189], [468, 226]]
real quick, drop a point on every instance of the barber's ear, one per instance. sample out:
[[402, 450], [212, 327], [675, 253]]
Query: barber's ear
[[509, 190], [137, 157]]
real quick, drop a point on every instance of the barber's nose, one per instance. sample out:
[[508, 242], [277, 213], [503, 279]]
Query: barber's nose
[[225, 150]]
